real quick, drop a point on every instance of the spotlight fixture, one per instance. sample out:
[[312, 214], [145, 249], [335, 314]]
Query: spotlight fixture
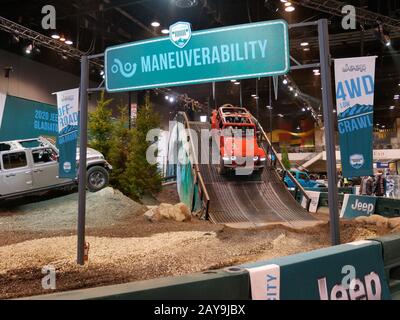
[[296, 94], [303, 109], [391, 107], [306, 49], [28, 49], [102, 72], [290, 8], [155, 24], [233, 81], [166, 97], [165, 31], [62, 39], [171, 99], [186, 3], [280, 115], [304, 44], [291, 88], [69, 42], [237, 83], [55, 36], [285, 82]]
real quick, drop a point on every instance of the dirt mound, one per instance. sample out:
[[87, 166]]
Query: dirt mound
[[104, 208]]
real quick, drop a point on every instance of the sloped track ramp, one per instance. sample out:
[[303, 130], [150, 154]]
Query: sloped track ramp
[[248, 201]]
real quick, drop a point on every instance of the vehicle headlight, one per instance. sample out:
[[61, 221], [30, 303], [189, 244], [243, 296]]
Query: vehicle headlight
[[233, 158], [255, 158], [263, 159], [225, 158]]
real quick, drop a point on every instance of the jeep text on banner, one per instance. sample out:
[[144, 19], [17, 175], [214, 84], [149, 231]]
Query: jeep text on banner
[[236, 52], [355, 85], [356, 206], [68, 116]]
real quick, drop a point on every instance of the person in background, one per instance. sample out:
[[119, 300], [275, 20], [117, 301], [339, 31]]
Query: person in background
[[380, 184], [367, 186]]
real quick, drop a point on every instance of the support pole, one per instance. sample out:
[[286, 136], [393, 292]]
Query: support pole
[[327, 102], [82, 158], [241, 94], [130, 110]]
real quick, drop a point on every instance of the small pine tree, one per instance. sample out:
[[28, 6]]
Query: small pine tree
[[285, 158], [119, 147], [141, 177], [100, 126]]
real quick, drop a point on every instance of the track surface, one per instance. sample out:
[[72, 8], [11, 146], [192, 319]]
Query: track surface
[[249, 200]]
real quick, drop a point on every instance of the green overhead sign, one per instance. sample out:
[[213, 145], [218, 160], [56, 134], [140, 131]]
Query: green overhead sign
[[183, 58]]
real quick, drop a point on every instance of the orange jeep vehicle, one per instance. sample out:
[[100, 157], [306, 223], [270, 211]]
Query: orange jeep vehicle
[[238, 140]]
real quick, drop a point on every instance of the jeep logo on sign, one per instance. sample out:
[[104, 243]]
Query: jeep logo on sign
[[180, 34], [357, 161]]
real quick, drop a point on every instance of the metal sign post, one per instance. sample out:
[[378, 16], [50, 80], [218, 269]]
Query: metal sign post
[[82, 158], [327, 100]]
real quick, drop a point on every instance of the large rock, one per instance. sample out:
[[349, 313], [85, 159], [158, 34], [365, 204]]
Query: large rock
[[394, 223], [184, 210], [153, 215], [378, 220], [179, 212]]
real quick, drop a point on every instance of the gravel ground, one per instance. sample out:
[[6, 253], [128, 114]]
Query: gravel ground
[[125, 247]]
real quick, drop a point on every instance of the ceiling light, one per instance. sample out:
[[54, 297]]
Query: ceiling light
[[254, 95], [291, 88], [304, 44], [289, 9], [269, 107], [283, 1], [55, 36], [280, 115], [166, 97], [102, 72], [296, 94], [391, 107], [237, 83], [288, 4], [171, 99], [306, 49], [233, 80], [155, 24], [285, 82], [164, 31], [69, 42], [303, 109], [298, 128], [396, 97]]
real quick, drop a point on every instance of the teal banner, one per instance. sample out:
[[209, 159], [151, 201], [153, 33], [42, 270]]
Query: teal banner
[[355, 85], [356, 206], [26, 119], [68, 126], [236, 52]]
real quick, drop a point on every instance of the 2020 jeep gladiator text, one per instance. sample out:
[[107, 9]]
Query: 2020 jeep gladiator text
[[238, 143], [31, 166]]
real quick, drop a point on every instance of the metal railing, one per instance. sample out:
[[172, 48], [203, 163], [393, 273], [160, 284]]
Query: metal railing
[[276, 161]]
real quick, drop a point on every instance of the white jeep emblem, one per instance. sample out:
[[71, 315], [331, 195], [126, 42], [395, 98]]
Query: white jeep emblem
[[180, 34], [357, 161]]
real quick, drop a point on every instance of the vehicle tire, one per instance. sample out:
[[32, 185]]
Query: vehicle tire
[[221, 167], [97, 178]]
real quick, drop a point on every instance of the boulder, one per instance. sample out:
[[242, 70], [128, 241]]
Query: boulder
[[153, 215], [184, 210], [394, 223], [362, 219], [378, 220], [179, 212]]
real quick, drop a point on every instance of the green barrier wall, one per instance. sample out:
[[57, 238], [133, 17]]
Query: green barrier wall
[[299, 275]]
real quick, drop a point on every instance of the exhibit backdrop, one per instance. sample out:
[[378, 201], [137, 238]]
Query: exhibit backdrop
[[355, 85], [25, 119]]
